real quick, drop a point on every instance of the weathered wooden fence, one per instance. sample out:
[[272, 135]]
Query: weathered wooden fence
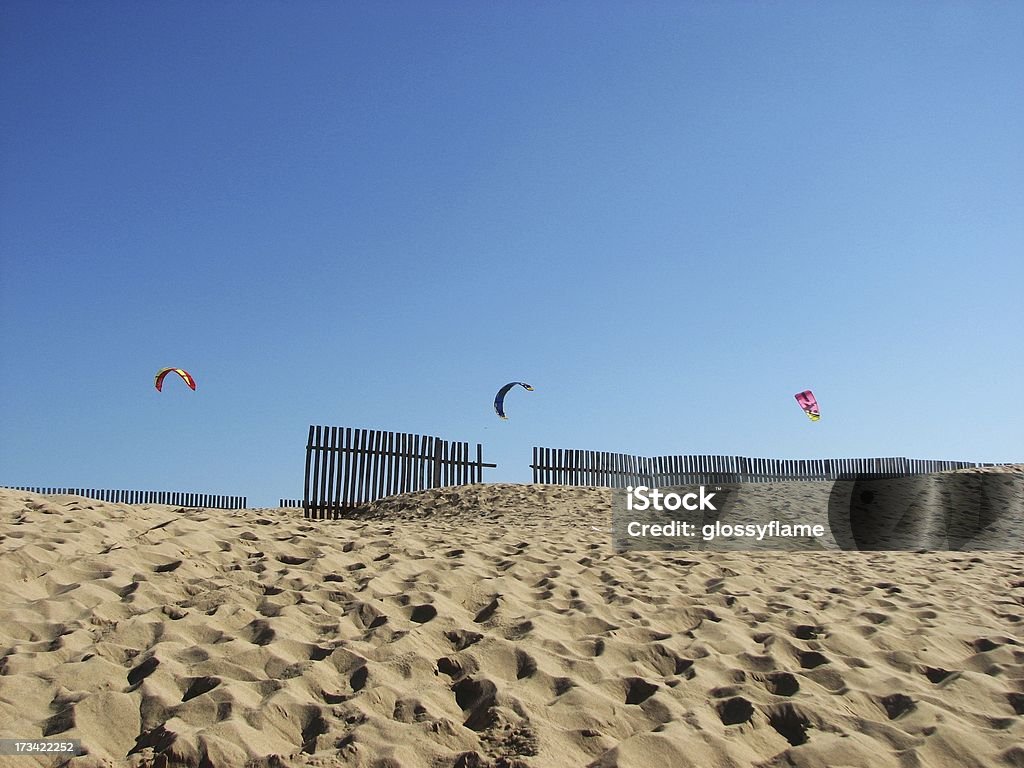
[[559, 466], [176, 498], [346, 467], [291, 503]]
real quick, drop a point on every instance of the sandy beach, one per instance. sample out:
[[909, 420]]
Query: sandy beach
[[491, 626]]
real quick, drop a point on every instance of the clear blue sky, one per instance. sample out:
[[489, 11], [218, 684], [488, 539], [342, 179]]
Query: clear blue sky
[[668, 217]]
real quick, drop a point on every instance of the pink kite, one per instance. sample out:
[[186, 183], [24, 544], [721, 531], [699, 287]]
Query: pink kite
[[809, 404]]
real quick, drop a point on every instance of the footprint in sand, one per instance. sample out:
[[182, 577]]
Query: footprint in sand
[[790, 723], [421, 614], [779, 683], [734, 711], [463, 638]]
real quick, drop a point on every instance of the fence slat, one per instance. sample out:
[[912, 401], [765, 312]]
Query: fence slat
[[122, 496], [375, 463], [559, 466]]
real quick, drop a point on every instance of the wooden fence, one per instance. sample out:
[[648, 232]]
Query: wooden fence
[[175, 498], [559, 466], [290, 503], [346, 467]]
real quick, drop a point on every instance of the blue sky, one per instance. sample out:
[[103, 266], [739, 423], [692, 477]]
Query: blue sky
[[667, 217]]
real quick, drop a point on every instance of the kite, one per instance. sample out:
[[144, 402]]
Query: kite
[[185, 375], [809, 404], [499, 399]]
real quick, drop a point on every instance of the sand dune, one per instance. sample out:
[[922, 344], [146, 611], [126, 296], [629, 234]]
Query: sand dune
[[491, 626]]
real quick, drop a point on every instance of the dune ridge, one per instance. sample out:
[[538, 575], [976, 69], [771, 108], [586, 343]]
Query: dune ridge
[[491, 626]]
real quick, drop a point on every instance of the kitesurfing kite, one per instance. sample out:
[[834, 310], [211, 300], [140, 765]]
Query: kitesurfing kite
[[499, 399], [181, 372], [809, 404]]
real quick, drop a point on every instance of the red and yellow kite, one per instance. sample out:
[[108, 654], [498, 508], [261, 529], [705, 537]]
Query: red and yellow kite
[[185, 375]]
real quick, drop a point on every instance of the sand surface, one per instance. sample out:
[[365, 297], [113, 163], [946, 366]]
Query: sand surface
[[491, 626]]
